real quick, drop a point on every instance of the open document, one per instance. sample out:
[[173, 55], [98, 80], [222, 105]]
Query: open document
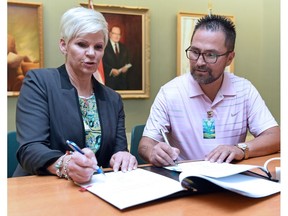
[[142, 185], [216, 170], [128, 189]]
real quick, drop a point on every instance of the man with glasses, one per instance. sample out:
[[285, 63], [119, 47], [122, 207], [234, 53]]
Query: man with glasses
[[206, 114]]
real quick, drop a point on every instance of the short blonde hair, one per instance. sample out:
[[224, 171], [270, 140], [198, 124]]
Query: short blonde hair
[[80, 20]]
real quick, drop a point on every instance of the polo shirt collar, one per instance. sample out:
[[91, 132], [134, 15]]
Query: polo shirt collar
[[227, 88]]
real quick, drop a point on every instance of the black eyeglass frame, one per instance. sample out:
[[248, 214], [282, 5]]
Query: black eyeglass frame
[[203, 56]]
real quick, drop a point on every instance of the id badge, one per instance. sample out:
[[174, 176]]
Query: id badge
[[209, 128]]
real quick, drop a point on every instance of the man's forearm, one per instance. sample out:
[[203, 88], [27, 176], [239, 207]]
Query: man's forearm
[[266, 143], [145, 147]]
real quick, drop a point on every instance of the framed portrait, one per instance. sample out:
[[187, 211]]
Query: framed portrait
[[126, 59], [185, 26], [24, 42]]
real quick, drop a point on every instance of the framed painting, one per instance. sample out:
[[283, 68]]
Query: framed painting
[[185, 26], [126, 59], [24, 42]]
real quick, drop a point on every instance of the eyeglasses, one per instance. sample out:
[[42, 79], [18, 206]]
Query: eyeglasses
[[208, 57]]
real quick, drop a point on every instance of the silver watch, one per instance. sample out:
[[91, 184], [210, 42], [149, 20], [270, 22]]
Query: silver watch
[[244, 147]]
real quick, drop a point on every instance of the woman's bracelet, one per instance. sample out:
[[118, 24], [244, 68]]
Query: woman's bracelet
[[65, 168], [59, 165]]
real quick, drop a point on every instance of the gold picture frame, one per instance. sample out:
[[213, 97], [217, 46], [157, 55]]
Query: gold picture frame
[[185, 26], [24, 42], [134, 25]]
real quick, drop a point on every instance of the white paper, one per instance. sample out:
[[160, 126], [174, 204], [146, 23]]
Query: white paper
[[131, 188], [215, 170], [249, 186]]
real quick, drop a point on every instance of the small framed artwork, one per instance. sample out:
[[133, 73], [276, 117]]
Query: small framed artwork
[[24, 42], [185, 26], [126, 59]]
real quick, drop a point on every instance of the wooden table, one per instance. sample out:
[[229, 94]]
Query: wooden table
[[48, 195]]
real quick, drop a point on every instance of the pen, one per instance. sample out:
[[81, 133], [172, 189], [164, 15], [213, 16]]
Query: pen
[[75, 147], [166, 141]]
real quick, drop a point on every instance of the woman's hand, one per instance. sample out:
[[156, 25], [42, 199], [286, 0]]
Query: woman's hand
[[123, 160], [76, 166], [81, 167]]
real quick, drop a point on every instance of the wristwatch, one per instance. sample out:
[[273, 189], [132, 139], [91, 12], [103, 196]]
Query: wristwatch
[[244, 147]]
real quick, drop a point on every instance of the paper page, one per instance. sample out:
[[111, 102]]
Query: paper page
[[131, 188], [249, 186], [210, 169]]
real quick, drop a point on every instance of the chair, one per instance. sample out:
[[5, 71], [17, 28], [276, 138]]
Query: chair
[[136, 135], [12, 146]]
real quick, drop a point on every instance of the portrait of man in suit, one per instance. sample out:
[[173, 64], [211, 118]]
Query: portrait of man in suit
[[116, 61], [125, 63]]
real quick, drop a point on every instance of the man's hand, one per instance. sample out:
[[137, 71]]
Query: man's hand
[[115, 72], [225, 153], [163, 155]]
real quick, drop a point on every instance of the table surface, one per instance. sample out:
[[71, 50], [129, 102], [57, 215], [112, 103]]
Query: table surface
[[49, 195]]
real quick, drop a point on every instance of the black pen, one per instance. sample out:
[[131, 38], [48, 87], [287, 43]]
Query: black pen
[[75, 147], [167, 142]]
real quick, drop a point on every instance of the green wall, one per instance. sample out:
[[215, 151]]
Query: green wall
[[257, 45]]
